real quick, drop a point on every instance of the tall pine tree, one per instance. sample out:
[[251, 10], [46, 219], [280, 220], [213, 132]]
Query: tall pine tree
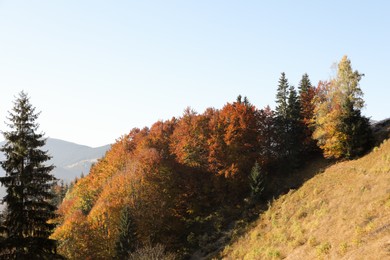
[[28, 183], [281, 116], [294, 140], [282, 97], [288, 124]]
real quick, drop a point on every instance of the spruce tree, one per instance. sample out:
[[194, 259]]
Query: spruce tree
[[28, 184], [281, 116], [294, 142], [288, 124], [357, 131], [282, 97], [127, 241], [304, 84], [256, 182]]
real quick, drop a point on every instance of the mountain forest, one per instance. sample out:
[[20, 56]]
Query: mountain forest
[[193, 187]]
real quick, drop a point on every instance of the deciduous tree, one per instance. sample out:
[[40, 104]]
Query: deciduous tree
[[340, 129]]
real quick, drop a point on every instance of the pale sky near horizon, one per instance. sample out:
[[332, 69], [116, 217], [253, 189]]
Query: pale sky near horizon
[[96, 69]]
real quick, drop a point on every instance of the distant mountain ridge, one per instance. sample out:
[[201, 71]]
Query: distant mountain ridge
[[70, 159]]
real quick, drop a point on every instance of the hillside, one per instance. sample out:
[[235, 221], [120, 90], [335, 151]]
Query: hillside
[[186, 184], [343, 212]]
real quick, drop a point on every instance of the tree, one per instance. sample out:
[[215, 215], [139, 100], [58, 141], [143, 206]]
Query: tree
[[28, 183], [357, 131], [340, 129], [295, 130], [189, 139], [281, 115], [288, 123], [355, 127], [306, 97], [282, 97], [267, 136], [127, 240], [325, 121], [256, 182]]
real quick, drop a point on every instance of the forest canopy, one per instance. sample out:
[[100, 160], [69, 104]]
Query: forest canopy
[[181, 181]]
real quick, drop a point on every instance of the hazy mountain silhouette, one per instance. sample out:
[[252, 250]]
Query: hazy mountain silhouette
[[69, 159]]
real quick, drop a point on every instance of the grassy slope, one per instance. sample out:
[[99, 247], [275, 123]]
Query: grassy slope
[[343, 212]]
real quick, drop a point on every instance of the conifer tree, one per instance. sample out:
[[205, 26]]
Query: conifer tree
[[295, 131], [282, 97], [28, 183], [281, 115], [127, 242], [304, 84], [357, 131], [256, 182], [288, 123]]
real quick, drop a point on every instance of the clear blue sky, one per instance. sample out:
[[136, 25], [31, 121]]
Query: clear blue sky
[[96, 69]]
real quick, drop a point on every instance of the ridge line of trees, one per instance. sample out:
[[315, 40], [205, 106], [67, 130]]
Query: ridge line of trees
[[182, 181]]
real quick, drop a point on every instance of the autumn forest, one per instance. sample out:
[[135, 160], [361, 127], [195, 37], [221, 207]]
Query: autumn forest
[[175, 187]]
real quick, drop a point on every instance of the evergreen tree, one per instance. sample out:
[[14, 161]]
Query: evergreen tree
[[281, 116], [294, 142], [28, 183], [127, 241], [293, 105], [256, 181], [304, 84], [282, 97], [357, 131], [288, 124]]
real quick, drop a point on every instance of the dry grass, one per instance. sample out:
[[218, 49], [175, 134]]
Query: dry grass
[[342, 213]]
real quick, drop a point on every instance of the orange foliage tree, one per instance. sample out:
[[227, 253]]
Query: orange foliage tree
[[173, 179]]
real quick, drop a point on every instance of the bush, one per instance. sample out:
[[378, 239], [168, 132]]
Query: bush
[[151, 252]]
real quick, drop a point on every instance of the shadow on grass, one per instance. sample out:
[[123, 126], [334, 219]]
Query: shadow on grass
[[278, 184]]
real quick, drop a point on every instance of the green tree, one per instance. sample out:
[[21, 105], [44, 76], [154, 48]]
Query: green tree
[[256, 182], [282, 97], [127, 241], [294, 142], [28, 183], [357, 131], [281, 116], [288, 124]]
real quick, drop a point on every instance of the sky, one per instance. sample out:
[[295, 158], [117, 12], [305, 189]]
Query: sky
[[97, 69]]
